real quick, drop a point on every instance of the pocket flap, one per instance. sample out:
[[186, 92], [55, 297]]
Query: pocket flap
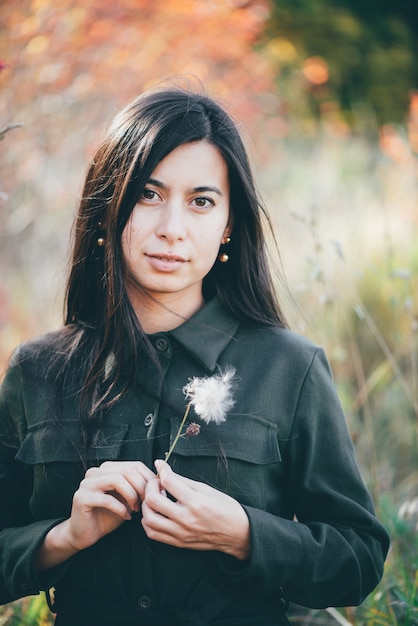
[[241, 437], [49, 442]]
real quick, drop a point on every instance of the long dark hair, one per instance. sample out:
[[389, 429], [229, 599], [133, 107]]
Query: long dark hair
[[99, 318]]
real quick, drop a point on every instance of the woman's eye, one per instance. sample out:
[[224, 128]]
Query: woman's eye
[[203, 203], [149, 194]]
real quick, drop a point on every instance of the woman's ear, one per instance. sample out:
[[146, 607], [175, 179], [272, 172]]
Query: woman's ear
[[227, 233]]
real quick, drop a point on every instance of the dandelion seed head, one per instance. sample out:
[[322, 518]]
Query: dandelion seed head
[[211, 396]]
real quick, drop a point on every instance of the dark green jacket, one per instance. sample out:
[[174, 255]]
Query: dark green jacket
[[284, 452]]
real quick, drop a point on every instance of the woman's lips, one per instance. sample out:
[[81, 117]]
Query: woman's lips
[[166, 262]]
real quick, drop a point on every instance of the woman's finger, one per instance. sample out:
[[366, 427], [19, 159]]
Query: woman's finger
[[85, 501], [114, 484], [180, 487], [156, 500], [127, 479]]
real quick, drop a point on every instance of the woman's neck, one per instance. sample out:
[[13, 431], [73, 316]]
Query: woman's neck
[[166, 313]]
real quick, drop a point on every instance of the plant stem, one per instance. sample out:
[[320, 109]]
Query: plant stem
[[338, 617], [177, 437]]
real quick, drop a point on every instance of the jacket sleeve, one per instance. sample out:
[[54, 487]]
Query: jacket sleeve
[[20, 534], [332, 552]]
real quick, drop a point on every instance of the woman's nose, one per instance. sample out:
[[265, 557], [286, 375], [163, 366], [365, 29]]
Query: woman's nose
[[172, 224]]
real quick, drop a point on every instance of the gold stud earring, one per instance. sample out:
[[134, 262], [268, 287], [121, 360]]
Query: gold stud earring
[[223, 257], [101, 240]]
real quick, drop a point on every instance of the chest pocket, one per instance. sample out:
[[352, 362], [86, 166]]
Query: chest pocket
[[53, 450], [240, 456]]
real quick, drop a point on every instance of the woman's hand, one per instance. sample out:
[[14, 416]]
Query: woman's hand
[[201, 518], [106, 497]]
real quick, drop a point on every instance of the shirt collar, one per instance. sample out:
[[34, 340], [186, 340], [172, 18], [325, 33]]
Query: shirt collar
[[207, 333]]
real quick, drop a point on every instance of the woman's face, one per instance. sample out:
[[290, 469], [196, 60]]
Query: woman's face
[[173, 235]]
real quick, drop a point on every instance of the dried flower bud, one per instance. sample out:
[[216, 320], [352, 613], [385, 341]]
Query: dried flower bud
[[192, 430]]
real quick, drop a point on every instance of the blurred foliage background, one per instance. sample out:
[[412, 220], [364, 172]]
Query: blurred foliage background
[[326, 92]]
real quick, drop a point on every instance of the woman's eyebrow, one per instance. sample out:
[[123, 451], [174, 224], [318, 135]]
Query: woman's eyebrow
[[157, 183], [207, 188], [201, 189]]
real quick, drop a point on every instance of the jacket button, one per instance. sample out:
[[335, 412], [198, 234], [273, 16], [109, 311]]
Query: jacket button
[[144, 602], [149, 419], [161, 344]]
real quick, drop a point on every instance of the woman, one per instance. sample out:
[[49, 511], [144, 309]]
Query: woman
[[170, 287]]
